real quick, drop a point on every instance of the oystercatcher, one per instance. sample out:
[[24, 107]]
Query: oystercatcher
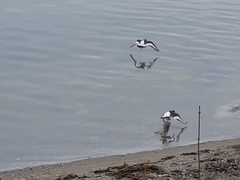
[[172, 114], [144, 43]]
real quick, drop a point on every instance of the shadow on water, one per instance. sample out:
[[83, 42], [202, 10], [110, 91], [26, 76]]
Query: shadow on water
[[142, 64], [166, 138]]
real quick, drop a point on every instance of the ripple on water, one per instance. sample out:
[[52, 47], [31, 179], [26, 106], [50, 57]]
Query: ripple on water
[[65, 68]]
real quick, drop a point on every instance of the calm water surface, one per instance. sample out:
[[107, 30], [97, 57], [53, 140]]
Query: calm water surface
[[69, 89]]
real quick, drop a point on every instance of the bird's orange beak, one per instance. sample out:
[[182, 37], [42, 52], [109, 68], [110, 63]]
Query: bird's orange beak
[[132, 45]]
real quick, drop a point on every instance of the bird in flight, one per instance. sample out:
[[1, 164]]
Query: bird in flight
[[144, 43], [166, 117]]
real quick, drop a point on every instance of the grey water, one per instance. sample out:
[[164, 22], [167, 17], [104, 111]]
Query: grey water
[[69, 89]]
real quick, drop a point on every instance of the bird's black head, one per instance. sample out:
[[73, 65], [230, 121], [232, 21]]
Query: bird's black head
[[172, 112]]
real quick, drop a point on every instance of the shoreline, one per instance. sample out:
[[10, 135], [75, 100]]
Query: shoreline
[[166, 158]]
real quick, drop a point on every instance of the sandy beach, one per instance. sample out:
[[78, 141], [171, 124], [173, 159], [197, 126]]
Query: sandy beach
[[219, 160]]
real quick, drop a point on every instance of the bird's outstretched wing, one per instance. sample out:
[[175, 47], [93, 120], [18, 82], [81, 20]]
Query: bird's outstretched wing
[[178, 118], [155, 59], [135, 62], [149, 65], [151, 44]]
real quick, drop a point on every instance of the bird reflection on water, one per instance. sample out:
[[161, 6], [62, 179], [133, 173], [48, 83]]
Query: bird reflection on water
[[165, 138], [143, 65]]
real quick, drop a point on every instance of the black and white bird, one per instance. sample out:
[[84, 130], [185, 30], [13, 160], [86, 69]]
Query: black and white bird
[[144, 43], [143, 65], [166, 117]]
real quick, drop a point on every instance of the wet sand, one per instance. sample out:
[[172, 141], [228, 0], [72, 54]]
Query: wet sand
[[219, 160]]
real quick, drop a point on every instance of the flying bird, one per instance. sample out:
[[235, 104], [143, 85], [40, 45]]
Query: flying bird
[[144, 43], [143, 65], [166, 117]]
